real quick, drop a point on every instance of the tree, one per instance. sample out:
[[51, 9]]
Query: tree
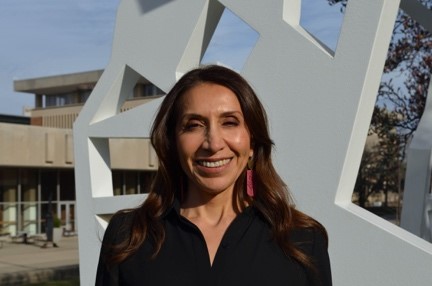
[[379, 168]]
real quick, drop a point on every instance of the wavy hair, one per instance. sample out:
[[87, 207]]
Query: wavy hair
[[272, 198]]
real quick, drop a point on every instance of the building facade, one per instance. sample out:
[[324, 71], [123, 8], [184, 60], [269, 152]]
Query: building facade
[[37, 159]]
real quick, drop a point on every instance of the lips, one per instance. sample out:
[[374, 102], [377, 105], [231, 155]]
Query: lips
[[213, 164]]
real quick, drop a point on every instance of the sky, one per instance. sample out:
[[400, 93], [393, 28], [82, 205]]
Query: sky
[[50, 37]]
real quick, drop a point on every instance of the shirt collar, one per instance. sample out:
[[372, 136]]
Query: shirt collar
[[236, 229]]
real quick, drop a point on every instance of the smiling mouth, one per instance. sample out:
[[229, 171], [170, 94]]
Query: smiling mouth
[[213, 164]]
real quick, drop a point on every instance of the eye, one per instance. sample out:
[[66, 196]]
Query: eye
[[192, 125], [231, 121]]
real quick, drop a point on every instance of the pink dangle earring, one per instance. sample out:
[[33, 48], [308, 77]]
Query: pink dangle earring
[[249, 178]]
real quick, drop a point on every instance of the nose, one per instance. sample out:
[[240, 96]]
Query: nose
[[213, 140]]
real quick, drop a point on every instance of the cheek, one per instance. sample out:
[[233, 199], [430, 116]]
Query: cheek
[[181, 149], [185, 149], [242, 143]]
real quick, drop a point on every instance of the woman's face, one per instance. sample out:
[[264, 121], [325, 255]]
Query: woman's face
[[213, 141]]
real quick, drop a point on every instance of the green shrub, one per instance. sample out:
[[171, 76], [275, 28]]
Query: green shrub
[[57, 222]]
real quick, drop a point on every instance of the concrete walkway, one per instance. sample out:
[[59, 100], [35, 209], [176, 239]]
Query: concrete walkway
[[22, 264]]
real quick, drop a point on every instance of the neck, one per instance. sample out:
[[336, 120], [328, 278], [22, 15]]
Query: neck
[[212, 207]]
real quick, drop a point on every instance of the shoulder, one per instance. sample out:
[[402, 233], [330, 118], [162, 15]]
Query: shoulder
[[309, 240], [118, 229], [122, 217], [314, 243], [119, 226], [307, 232]]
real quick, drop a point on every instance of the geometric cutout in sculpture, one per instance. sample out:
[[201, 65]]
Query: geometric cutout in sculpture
[[376, 187], [232, 42], [394, 85], [322, 21]]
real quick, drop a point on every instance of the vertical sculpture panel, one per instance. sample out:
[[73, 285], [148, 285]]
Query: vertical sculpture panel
[[417, 200], [319, 102]]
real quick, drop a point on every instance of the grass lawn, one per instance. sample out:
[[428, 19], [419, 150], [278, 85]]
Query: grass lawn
[[71, 282]]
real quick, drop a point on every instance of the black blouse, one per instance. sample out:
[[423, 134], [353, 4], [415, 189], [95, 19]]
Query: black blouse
[[247, 255]]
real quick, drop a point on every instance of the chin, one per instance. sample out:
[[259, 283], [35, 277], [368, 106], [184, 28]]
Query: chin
[[215, 189]]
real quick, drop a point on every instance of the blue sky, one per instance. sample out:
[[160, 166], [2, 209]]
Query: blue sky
[[50, 37]]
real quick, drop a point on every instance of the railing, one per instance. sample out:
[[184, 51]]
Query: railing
[[65, 116]]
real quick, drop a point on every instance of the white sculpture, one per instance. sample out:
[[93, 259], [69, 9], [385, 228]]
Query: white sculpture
[[417, 200], [319, 103]]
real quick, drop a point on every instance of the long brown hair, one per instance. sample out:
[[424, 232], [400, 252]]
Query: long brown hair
[[272, 199]]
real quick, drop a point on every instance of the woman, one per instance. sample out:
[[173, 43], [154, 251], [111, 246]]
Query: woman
[[217, 213]]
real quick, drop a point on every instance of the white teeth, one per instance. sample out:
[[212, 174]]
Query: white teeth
[[214, 164]]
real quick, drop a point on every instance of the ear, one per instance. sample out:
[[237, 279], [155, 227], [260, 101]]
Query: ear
[[252, 145], [251, 150]]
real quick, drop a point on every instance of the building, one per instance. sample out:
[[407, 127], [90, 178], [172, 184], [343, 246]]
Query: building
[[36, 153]]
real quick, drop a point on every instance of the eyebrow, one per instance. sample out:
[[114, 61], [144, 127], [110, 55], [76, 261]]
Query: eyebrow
[[199, 116]]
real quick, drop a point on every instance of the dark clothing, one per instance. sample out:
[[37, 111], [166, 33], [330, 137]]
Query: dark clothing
[[246, 256], [49, 226]]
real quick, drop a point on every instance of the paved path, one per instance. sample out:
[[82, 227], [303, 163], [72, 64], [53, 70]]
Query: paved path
[[21, 264]]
